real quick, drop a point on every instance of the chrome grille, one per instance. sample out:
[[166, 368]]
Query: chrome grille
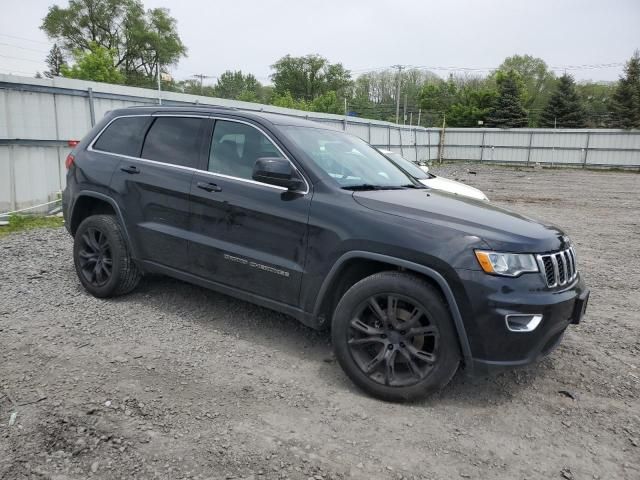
[[559, 268]]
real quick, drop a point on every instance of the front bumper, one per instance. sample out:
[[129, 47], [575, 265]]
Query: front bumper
[[491, 299]]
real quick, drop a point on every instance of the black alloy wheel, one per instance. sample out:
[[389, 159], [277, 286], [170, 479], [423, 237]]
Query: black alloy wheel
[[95, 257], [101, 257], [393, 341], [394, 337]]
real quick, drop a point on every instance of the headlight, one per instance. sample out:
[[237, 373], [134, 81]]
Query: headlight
[[506, 264]]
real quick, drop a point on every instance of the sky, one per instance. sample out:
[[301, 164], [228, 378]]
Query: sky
[[590, 39]]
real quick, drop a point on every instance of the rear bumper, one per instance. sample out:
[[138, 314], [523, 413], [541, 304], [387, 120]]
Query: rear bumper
[[494, 346]]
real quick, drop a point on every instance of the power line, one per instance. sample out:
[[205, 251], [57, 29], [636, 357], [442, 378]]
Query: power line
[[23, 48], [24, 38], [202, 76], [23, 59], [10, 71], [453, 68]]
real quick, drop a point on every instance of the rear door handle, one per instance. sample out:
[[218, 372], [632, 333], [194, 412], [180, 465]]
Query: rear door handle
[[130, 169], [209, 187]]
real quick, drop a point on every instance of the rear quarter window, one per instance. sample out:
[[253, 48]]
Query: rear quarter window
[[123, 136]]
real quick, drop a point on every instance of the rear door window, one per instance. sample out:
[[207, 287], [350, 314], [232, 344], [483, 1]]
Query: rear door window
[[174, 140], [123, 136]]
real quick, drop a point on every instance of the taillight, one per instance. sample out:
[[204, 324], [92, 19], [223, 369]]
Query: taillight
[[69, 161], [73, 143]]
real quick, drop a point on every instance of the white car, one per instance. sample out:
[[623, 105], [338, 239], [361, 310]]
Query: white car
[[421, 173]]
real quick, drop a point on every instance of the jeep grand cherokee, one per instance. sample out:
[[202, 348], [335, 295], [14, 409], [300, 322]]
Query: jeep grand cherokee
[[316, 223]]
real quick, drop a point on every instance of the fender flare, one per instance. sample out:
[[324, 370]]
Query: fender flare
[[415, 267], [116, 208]]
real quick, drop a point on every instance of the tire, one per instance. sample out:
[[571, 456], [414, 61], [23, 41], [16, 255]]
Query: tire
[[411, 353], [101, 257]]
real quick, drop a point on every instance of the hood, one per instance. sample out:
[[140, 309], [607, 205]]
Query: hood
[[459, 188], [500, 228]]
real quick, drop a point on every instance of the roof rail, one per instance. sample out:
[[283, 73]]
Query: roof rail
[[187, 105]]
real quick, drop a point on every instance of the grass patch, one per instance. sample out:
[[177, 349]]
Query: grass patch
[[18, 223]]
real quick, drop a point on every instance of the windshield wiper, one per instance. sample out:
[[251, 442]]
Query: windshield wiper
[[369, 186]]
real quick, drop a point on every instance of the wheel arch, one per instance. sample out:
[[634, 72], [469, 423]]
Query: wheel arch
[[89, 203], [370, 263]]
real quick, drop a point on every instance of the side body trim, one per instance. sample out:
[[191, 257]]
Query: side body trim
[[295, 312]]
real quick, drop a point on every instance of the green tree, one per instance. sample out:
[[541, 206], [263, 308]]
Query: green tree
[[538, 82], [138, 40], [437, 97], [308, 77], [237, 86], [286, 100], [95, 64], [596, 98], [508, 110], [55, 62], [625, 104], [564, 108], [473, 104], [328, 103]]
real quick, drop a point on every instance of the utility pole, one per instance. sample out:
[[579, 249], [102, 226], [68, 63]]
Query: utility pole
[[399, 67], [404, 111], [159, 85], [419, 115], [345, 106], [442, 133], [201, 77], [411, 119]]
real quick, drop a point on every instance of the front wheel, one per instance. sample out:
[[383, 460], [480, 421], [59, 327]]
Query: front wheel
[[102, 259], [393, 336]]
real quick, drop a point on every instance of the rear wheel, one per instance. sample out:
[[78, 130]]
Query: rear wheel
[[102, 259], [393, 336]]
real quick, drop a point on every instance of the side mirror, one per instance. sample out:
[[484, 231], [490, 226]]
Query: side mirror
[[276, 171], [424, 168]]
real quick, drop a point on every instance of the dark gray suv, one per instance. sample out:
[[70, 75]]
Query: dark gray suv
[[317, 224]]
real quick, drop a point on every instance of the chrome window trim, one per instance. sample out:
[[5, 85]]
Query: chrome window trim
[[197, 170]]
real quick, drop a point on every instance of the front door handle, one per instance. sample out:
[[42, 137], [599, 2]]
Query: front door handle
[[209, 187], [130, 169]]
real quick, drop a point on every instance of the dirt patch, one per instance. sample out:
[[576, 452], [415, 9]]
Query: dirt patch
[[174, 381]]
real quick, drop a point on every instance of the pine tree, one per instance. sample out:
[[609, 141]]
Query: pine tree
[[564, 109], [508, 110], [55, 61], [625, 104]]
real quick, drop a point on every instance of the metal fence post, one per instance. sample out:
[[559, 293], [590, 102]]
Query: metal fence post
[[344, 124], [369, 134], [586, 150], [529, 150], [415, 143], [92, 111], [429, 145], [482, 146]]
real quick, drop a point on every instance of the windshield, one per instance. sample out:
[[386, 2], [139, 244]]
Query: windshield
[[348, 160], [407, 165]]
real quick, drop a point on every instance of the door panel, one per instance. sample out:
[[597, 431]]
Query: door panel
[[246, 234], [154, 189], [155, 204], [249, 236]]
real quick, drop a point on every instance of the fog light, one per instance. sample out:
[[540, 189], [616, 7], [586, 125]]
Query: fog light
[[519, 322]]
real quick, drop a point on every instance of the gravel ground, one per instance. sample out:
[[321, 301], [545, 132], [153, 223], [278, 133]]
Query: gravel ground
[[173, 381]]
